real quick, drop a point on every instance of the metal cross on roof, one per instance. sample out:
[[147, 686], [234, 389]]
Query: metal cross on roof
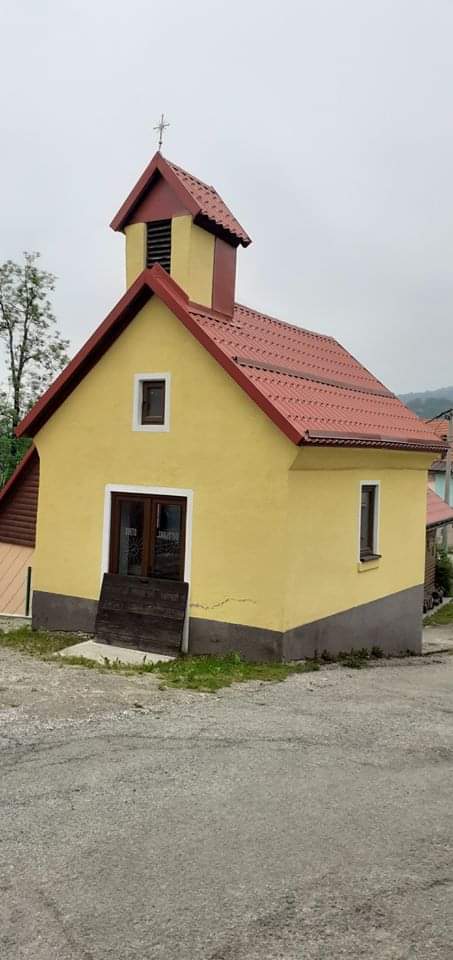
[[161, 127]]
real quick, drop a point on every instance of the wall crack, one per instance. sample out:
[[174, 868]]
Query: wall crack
[[221, 603]]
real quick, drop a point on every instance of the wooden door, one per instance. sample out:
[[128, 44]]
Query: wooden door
[[147, 536]]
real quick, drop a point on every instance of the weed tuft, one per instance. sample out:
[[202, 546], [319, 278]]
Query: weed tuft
[[377, 653], [355, 659]]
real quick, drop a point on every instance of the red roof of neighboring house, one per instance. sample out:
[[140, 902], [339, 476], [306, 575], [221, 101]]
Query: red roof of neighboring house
[[438, 511], [439, 427], [309, 385], [202, 201]]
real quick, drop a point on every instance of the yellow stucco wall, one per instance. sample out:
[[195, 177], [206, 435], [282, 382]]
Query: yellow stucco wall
[[324, 573], [192, 259], [275, 529], [14, 563], [220, 445], [181, 231], [201, 266], [135, 251]]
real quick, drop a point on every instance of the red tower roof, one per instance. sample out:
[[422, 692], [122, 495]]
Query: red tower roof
[[201, 200]]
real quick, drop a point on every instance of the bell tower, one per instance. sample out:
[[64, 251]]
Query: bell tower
[[172, 218]]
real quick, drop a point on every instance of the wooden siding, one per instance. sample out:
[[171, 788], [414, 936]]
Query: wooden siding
[[14, 563], [18, 508]]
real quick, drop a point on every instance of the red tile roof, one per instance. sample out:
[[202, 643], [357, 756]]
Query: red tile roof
[[311, 388], [317, 386], [202, 201], [439, 427], [437, 512], [211, 204]]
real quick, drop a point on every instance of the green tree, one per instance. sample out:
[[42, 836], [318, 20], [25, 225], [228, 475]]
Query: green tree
[[34, 349]]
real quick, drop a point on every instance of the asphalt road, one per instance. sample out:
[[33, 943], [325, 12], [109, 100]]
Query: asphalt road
[[305, 820]]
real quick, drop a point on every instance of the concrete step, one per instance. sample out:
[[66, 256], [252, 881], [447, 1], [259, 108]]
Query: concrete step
[[92, 650]]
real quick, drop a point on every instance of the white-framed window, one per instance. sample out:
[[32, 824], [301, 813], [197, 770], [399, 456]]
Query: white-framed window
[[369, 507], [151, 402]]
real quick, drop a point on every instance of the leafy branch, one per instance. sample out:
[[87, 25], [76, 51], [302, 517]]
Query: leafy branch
[[35, 350]]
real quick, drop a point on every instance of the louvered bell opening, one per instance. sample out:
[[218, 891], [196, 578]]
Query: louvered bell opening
[[158, 243]]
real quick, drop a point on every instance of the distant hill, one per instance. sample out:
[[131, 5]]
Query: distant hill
[[429, 403]]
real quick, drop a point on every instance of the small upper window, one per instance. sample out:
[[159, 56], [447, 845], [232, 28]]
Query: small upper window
[[151, 402], [368, 521]]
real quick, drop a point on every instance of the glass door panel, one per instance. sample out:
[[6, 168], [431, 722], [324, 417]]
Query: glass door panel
[[167, 559], [148, 536], [130, 541]]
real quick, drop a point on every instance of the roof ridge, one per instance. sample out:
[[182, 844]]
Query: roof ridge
[[286, 323]]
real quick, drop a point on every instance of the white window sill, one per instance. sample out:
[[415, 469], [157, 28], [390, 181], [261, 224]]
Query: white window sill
[[371, 564], [151, 428]]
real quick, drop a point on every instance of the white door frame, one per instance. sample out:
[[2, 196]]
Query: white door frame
[[159, 492]]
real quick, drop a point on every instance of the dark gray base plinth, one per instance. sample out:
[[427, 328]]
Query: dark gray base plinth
[[55, 611], [393, 623], [217, 638]]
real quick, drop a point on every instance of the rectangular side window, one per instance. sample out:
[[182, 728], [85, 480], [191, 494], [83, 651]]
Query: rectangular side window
[[368, 521], [153, 401]]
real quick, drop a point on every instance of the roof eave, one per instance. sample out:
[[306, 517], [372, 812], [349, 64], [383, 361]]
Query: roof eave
[[438, 523], [92, 350], [235, 239], [320, 438]]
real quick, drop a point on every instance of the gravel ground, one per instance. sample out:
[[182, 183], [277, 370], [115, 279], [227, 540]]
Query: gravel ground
[[303, 820]]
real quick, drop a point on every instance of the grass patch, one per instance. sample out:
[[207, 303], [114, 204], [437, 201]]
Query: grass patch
[[212, 673], [443, 614], [38, 643], [194, 673]]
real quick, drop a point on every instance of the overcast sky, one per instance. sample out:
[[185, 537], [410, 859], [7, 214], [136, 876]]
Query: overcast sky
[[326, 125]]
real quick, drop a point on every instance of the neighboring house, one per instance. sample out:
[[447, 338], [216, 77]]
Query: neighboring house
[[438, 514], [194, 438], [436, 474], [436, 479], [18, 505]]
